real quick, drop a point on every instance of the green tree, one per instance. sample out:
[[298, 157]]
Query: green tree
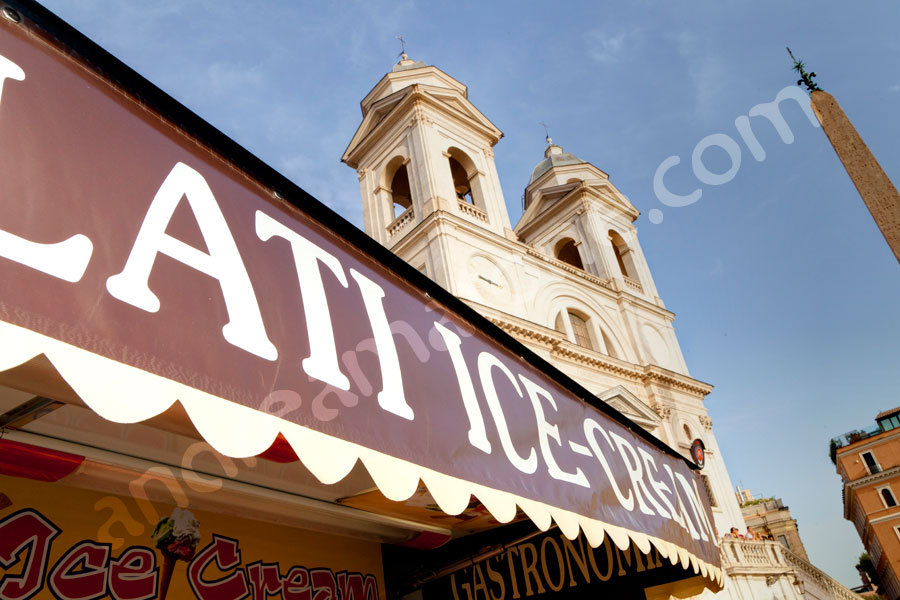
[[866, 565]]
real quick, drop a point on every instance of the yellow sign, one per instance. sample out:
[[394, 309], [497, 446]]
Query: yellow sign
[[68, 543]]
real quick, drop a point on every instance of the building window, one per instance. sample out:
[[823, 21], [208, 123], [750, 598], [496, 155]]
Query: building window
[[583, 331], [466, 179], [887, 497], [608, 345], [897, 530], [567, 252], [559, 325], [461, 182], [580, 330], [400, 193], [623, 256], [575, 328], [712, 497], [783, 540], [872, 465], [889, 423]]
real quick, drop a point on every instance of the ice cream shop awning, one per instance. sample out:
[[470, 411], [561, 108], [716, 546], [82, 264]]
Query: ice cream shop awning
[[148, 262]]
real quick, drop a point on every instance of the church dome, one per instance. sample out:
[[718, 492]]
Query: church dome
[[554, 157]]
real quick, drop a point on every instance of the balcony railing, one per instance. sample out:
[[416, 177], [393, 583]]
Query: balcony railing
[[472, 211], [629, 282], [772, 561], [400, 222], [744, 553], [851, 437], [569, 268]]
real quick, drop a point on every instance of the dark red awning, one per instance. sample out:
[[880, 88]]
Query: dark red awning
[[154, 261]]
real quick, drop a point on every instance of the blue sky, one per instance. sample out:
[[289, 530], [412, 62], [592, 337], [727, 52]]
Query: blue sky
[[785, 293]]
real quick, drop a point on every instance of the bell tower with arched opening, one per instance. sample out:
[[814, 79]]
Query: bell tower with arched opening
[[423, 154], [576, 215], [571, 281]]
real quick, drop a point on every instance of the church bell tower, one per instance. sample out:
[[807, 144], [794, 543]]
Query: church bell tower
[[570, 282], [422, 153]]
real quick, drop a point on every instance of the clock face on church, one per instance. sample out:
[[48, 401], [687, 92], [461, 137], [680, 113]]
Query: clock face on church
[[488, 280]]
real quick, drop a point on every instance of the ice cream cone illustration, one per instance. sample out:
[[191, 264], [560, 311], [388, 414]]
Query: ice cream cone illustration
[[176, 538], [165, 574]]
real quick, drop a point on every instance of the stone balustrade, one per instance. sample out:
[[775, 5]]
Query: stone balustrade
[[405, 218], [743, 553], [771, 561], [472, 211], [811, 575], [633, 284], [569, 268]]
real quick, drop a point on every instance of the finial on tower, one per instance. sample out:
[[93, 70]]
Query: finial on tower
[[551, 147], [403, 43], [546, 131], [805, 78]]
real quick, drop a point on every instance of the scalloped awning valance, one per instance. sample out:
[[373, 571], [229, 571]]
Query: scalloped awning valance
[[151, 261]]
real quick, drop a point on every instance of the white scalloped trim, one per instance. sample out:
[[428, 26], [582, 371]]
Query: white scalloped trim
[[328, 458]]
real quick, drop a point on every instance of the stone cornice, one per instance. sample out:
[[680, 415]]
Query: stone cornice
[[559, 346], [575, 353], [589, 192], [604, 283], [849, 490], [421, 229], [363, 136], [656, 374], [871, 442], [452, 84], [873, 478], [548, 174], [415, 96], [573, 274], [568, 190], [888, 517]]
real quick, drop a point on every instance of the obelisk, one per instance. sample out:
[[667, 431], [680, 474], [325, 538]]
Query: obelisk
[[872, 183]]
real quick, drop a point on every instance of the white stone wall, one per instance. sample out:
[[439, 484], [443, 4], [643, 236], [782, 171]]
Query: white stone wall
[[529, 291], [513, 279]]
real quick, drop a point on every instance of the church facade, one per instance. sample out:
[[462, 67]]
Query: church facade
[[569, 280]]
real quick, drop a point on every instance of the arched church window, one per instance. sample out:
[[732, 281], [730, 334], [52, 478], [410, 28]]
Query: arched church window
[[559, 325], [583, 331], [461, 182], [400, 192], [467, 183], [580, 330], [709, 490], [687, 433], [567, 251], [607, 343], [888, 497], [623, 256]]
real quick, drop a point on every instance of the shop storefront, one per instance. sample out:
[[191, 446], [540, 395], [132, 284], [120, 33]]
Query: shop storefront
[[215, 387], [189, 554]]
